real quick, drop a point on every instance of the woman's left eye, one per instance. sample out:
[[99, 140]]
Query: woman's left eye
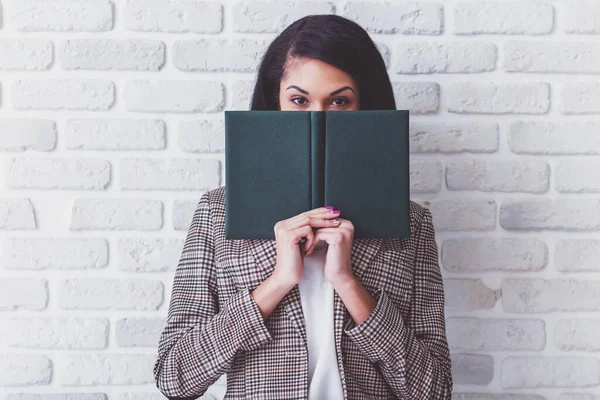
[[344, 100]]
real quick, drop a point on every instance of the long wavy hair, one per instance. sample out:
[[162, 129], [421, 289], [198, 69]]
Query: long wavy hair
[[335, 40]]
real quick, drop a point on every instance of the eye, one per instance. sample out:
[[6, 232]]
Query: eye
[[343, 99], [299, 98], [304, 102]]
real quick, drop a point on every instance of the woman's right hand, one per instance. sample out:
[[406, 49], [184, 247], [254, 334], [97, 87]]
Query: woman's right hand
[[288, 234]]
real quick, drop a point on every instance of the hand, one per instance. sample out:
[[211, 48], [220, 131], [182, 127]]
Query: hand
[[288, 233], [338, 264]]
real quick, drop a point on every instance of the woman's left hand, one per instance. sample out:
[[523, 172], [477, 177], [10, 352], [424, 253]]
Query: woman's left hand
[[338, 265]]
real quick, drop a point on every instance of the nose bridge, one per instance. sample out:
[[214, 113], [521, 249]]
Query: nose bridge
[[317, 106]]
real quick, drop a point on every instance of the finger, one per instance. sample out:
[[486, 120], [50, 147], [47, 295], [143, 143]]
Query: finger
[[320, 209], [314, 220], [303, 231], [321, 212], [316, 240], [320, 235]]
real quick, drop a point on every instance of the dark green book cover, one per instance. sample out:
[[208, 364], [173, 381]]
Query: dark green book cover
[[281, 163]]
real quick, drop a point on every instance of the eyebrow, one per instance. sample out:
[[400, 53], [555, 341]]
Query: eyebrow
[[331, 94]]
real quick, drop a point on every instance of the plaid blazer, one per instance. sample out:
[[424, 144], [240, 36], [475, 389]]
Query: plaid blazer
[[214, 326]]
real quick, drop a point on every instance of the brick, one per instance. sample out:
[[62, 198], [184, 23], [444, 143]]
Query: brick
[[498, 175], [26, 54], [498, 98], [177, 96], [106, 369], [449, 215], [385, 53], [16, 214], [576, 396], [548, 137], [63, 94], [116, 214], [110, 54], [413, 18], [472, 369], [559, 57], [475, 334], [549, 295], [273, 17], [551, 214], [218, 55], [582, 17], [468, 294], [183, 211], [450, 138], [556, 372], [508, 18], [241, 95], [115, 134], [173, 16], [25, 369], [56, 253], [139, 332], [57, 173], [577, 334], [61, 15], [110, 294], [58, 333], [417, 97], [425, 176], [569, 178], [171, 174], [23, 294], [494, 254], [148, 254], [577, 255], [27, 134], [450, 57], [579, 98], [202, 136]]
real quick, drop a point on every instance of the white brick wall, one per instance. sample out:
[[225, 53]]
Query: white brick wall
[[111, 128]]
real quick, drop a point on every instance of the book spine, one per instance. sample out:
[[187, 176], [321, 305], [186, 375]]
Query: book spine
[[317, 143]]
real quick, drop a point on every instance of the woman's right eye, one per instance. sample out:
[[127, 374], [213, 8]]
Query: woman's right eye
[[299, 98]]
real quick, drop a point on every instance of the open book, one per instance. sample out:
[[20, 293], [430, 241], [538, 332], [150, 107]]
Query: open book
[[282, 163]]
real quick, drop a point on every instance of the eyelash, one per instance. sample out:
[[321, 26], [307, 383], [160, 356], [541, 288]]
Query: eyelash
[[337, 98]]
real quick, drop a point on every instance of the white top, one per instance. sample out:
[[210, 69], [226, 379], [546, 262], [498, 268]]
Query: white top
[[316, 296]]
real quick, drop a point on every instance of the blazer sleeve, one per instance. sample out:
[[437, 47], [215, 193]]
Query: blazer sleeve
[[415, 360], [200, 341]]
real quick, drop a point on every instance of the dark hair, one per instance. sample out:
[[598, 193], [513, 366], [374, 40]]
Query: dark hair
[[335, 40]]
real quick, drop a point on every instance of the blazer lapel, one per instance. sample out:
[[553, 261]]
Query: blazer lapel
[[363, 250]]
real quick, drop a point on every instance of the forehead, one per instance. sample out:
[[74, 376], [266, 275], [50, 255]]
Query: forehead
[[315, 75]]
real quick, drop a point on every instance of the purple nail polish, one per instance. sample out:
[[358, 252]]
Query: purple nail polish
[[329, 207], [335, 212]]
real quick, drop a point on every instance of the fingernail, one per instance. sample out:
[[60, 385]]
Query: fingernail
[[335, 212], [329, 207], [334, 221]]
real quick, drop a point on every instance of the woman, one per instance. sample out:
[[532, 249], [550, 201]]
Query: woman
[[250, 308]]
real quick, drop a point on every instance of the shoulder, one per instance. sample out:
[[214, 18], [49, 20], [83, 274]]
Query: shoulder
[[208, 207], [416, 210], [214, 199], [418, 215]]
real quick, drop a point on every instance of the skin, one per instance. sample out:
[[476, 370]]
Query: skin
[[313, 85]]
